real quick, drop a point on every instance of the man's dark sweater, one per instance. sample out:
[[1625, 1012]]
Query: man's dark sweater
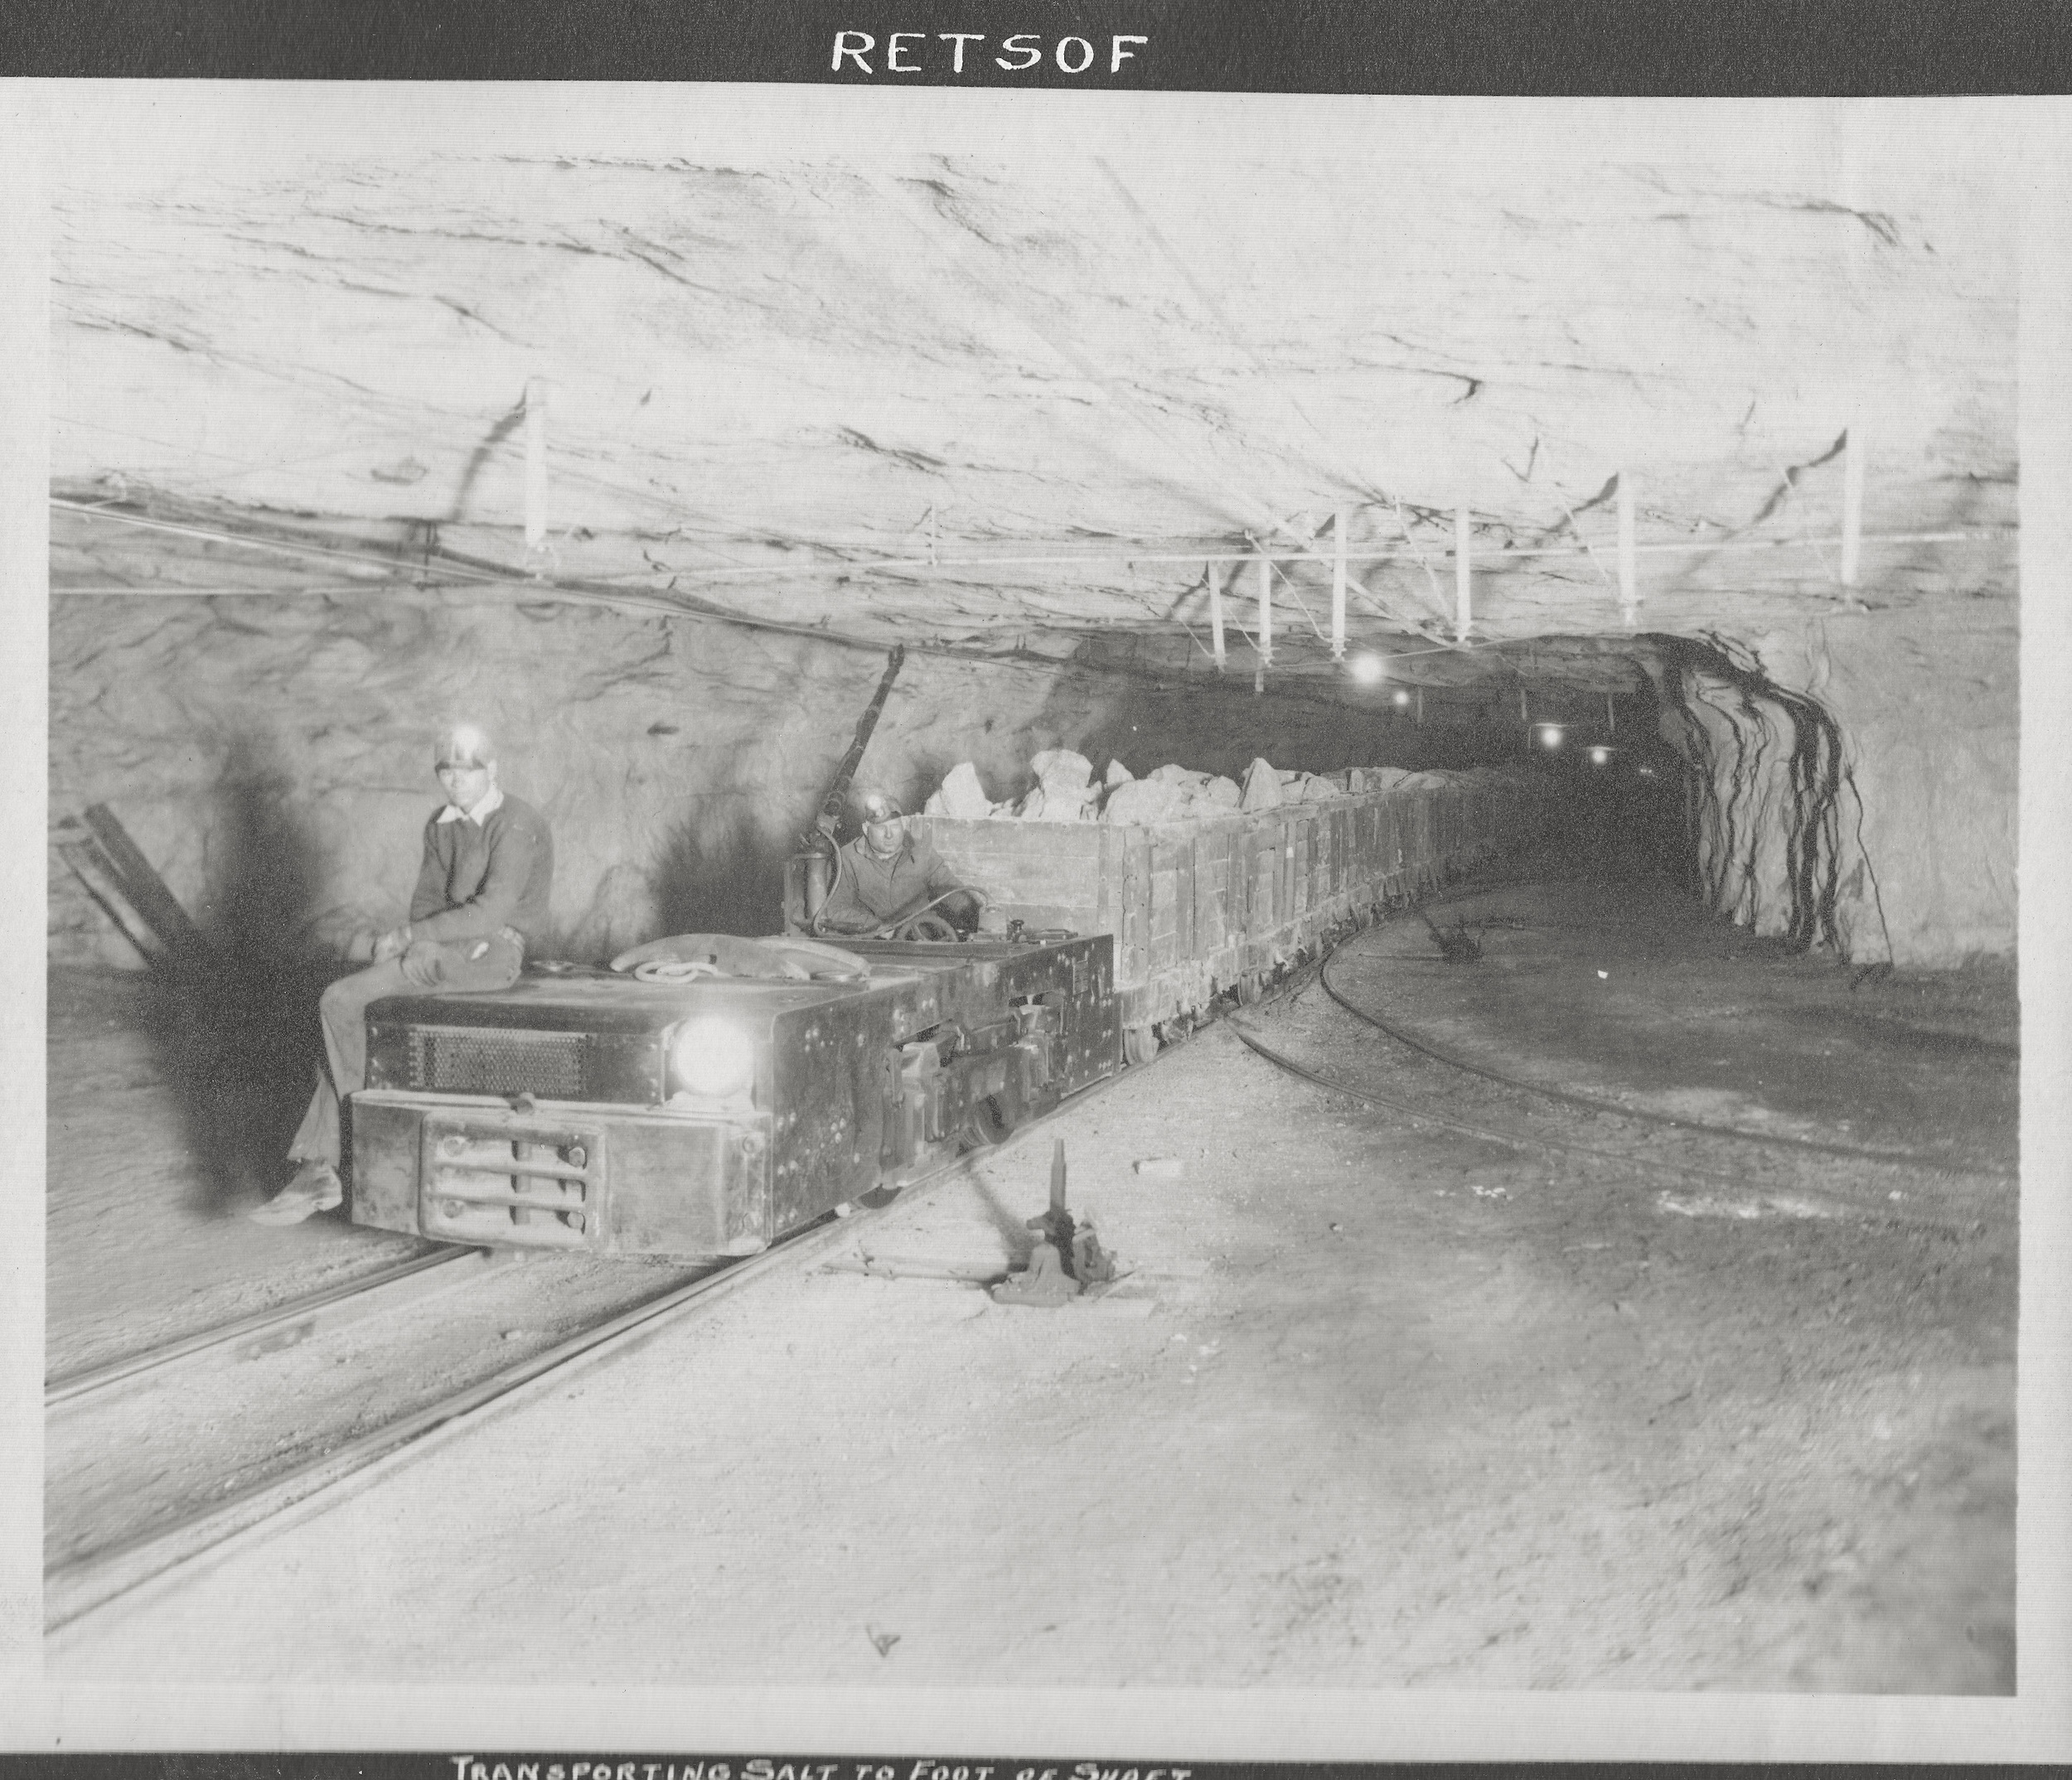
[[869, 891], [479, 878]]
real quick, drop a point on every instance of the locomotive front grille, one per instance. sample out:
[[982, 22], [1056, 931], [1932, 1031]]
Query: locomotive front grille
[[484, 1060]]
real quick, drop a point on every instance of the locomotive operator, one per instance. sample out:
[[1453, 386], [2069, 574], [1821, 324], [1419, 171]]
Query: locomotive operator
[[886, 876], [480, 905]]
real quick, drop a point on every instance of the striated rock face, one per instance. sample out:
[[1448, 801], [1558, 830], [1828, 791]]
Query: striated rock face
[[1826, 811], [998, 389], [752, 372], [271, 756], [1931, 759], [1842, 814]]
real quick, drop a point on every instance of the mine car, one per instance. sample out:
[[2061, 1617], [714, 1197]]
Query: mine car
[[586, 1110]]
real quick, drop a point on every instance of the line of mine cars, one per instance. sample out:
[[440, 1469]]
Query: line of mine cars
[[710, 1113]]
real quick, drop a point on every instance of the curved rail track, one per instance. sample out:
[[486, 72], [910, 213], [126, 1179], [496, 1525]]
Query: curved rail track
[[124, 1564], [1793, 1198], [1597, 1104], [1653, 1161]]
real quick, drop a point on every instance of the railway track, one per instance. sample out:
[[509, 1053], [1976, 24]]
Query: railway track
[[221, 1515], [1653, 1159], [279, 1326], [124, 1562], [1617, 1109], [130, 1538]]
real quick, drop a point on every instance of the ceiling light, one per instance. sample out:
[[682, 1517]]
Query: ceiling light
[[1550, 735], [1401, 697], [1369, 669], [1598, 755]]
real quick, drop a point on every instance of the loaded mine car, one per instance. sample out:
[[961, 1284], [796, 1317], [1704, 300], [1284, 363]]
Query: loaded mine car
[[589, 1110]]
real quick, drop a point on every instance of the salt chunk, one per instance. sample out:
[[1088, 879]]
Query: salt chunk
[[962, 795], [1059, 803], [1144, 800], [1059, 768]]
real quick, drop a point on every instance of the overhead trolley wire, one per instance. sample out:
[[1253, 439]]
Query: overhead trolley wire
[[921, 565], [443, 566]]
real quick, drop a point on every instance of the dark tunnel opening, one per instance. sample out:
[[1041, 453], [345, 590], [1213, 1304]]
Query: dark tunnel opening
[[1616, 814]]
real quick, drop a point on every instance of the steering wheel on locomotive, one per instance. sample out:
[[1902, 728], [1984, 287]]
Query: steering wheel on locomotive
[[924, 925], [931, 928]]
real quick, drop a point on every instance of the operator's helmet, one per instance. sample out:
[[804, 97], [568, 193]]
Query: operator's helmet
[[874, 806], [463, 745]]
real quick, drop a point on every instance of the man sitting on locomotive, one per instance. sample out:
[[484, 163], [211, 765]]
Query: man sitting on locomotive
[[887, 877], [480, 905]]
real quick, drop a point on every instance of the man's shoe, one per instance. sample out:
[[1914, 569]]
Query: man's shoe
[[316, 1187]]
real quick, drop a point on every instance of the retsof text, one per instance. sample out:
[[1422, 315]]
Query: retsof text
[[908, 52]]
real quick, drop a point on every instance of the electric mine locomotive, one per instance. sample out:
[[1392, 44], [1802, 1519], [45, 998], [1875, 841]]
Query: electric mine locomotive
[[590, 1111]]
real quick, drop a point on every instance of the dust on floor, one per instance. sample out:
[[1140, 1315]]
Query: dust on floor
[[1412, 1410]]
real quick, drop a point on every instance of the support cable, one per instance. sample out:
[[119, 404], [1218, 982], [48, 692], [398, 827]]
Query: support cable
[[1877, 898]]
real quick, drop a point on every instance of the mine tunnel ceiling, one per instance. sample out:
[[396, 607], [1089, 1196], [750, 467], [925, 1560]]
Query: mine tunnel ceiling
[[992, 404]]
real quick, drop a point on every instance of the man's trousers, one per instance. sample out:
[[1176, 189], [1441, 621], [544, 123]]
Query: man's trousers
[[453, 965]]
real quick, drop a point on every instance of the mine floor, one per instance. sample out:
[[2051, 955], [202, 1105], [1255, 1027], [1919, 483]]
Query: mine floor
[[1410, 1407]]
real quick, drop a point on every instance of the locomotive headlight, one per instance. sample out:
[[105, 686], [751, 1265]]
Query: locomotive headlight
[[713, 1059]]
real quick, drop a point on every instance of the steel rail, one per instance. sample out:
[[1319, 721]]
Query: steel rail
[[1594, 1103], [70, 1387], [1783, 1199], [82, 1584], [1316, 969]]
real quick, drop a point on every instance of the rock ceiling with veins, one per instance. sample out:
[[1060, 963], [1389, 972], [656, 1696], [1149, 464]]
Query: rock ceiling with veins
[[1040, 391]]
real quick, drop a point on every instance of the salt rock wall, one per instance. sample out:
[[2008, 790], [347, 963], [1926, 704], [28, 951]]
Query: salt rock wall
[[1857, 784], [271, 756]]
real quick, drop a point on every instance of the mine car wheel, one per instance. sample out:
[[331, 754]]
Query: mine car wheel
[[1139, 1043], [1250, 989], [988, 1123]]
